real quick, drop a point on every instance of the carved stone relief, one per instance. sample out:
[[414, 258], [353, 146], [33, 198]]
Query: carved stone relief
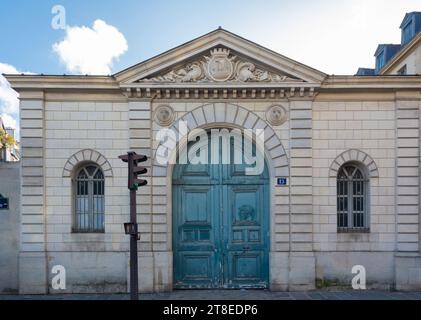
[[276, 115], [164, 115], [220, 66]]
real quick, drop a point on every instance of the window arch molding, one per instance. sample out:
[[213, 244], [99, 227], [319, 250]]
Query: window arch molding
[[87, 155], [356, 156]]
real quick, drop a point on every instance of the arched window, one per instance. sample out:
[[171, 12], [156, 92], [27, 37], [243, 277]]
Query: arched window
[[89, 199], [352, 199]]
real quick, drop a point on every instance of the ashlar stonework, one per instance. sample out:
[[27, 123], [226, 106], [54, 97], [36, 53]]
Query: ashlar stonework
[[314, 124]]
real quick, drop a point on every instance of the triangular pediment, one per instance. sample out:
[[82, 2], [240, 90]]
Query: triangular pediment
[[220, 64], [220, 57]]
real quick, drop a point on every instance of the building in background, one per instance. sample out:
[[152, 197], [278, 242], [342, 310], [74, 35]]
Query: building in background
[[400, 59], [9, 153], [340, 184], [9, 215]]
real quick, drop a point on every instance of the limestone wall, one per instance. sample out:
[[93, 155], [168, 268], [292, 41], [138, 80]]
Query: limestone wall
[[60, 130]]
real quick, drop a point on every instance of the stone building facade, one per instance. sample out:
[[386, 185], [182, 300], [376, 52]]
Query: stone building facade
[[315, 127], [9, 226]]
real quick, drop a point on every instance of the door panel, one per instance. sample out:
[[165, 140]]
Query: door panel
[[246, 245], [220, 227], [197, 270], [194, 236], [246, 270]]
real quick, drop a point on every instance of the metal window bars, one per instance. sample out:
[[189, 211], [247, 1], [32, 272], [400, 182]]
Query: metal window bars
[[352, 200], [89, 200]]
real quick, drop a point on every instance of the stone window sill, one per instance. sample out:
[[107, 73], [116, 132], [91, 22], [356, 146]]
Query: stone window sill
[[353, 230], [87, 232]]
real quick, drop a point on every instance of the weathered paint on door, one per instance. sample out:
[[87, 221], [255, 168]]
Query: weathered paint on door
[[220, 227]]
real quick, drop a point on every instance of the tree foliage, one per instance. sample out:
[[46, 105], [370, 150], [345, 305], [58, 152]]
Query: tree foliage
[[6, 140]]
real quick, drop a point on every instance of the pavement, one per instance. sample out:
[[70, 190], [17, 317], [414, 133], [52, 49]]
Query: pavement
[[232, 295]]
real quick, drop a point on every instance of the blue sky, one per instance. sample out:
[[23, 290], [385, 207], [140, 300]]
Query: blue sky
[[151, 27], [334, 36]]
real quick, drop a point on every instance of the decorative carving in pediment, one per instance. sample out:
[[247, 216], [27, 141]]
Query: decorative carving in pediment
[[220, 66]]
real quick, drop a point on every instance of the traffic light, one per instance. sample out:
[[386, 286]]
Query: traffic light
[[131, 228], [133, 160]]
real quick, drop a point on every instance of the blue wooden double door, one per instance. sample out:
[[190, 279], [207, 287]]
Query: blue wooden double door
[[220, 227]]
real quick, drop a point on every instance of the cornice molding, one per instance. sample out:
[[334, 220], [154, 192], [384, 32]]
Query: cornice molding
[[42, 82], [219, 93], [25, 83], [372, 82]]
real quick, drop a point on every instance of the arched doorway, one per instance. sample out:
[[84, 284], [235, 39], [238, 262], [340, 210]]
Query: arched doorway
[[220, 224]]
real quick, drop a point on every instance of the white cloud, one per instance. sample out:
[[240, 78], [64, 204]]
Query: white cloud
[[87, 50], [9, 102], [7, 69]]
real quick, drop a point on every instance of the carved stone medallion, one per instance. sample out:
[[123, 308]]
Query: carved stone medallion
[[276, 115], [164, 115], [220, 67]]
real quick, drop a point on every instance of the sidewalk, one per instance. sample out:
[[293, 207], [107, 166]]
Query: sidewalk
[[232, 295]]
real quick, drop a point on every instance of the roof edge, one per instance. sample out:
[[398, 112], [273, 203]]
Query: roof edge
[[20, 82], [401, 54]]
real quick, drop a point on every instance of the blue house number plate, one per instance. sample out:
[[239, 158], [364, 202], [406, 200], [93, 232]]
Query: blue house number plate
[[282, 181], [4, 203]]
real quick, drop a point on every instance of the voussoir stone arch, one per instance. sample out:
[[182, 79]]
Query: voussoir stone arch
[[234, 116], [87, 155], [354, 155]]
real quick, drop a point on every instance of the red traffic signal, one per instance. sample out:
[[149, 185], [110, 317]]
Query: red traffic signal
[[134, 170]]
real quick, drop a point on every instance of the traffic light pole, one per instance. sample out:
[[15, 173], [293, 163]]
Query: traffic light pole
[[131, 228], [134, 291]]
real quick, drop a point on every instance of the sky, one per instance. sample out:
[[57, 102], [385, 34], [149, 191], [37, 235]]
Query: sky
[[106, 36]]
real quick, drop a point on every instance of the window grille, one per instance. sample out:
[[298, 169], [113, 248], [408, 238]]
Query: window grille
[[89, 200], [352, 190]]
